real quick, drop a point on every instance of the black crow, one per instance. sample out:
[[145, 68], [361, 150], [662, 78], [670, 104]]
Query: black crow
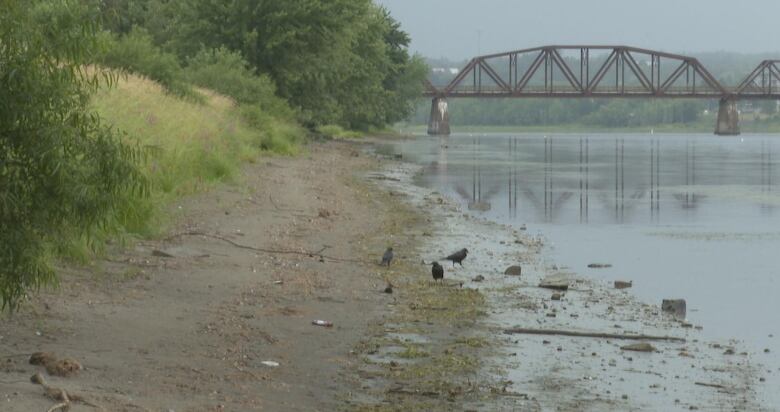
[[458, 257], [437, 271], [387, 257]]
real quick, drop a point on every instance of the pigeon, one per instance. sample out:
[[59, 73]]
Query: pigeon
[[458, 257], [437, 271], [387, 257]]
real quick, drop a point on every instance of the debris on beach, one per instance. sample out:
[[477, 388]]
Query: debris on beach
[[555, 282], [599, 265], [639, 347], [56, 367], [514, 270], [324, 323], [620, 284], [676, 307]]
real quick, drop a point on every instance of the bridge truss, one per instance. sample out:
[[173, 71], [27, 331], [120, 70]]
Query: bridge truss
[[600, 71]]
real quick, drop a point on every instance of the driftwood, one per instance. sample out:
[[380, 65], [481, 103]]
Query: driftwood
[[527, 331], [711, 385], [269, 251]]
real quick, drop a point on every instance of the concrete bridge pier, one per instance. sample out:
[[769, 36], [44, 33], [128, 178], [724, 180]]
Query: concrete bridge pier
[[439, 121], [728, 118]]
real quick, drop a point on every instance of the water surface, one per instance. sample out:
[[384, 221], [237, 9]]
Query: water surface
[[682, 216]]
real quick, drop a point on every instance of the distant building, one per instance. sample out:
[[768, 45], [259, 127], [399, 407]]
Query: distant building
[[445, 70]]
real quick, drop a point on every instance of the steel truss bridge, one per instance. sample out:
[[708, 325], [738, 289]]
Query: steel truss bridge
[[578, 71]]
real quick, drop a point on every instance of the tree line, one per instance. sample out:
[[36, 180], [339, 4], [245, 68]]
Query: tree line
[[64, 171]]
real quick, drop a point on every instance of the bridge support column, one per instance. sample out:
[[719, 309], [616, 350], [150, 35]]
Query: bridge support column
[[439, 122], [728, 118]]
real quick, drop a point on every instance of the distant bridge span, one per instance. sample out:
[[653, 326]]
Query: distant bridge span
[[579, 71]]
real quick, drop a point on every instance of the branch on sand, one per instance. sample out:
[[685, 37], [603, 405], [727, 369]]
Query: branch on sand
[[711, 385], [60, 395], [269, 251], [528, 331]]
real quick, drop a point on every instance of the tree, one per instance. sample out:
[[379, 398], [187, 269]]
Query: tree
[[61, 170], [337, 61]]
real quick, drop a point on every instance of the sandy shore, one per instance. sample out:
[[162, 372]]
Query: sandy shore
[[199, 321]]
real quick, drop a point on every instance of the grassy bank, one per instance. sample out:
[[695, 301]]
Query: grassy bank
[[189, 145]]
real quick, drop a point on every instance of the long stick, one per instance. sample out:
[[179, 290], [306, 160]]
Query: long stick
[[270, 251], [527, 331]]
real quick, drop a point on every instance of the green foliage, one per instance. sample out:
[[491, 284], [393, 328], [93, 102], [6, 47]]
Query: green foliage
[[228, 73], [613, 113], [60, 169], [337, 61], [135, 52], [338, 132], [191, 146]]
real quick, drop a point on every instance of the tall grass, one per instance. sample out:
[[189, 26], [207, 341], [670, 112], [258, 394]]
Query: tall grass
[[190, 146]]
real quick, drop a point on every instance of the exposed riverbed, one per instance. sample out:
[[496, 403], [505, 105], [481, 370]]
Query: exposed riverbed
[[680, 216]]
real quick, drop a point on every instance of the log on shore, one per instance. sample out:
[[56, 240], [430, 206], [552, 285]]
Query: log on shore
[[528, 331]]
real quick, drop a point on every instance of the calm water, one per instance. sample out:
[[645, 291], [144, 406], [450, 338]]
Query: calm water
[[683, 216]]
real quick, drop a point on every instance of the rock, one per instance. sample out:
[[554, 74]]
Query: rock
[[513, 270], [556, 296], [479, 206], [639, 347], [324, 213], [389, 288], [479, 278], [728, 351], [555, 282], [676, 307], [42, 358], [620, 284], [766, 350], [599, 265], [63, 367]]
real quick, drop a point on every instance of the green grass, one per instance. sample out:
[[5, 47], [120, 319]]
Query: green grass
[[190, 146], [338, 132]]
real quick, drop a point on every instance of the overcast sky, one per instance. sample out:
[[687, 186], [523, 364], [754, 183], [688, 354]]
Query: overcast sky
[[459, 29]]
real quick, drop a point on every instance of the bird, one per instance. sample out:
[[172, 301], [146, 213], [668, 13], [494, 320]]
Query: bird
[[458, 257], [387, 257], [437, 271]]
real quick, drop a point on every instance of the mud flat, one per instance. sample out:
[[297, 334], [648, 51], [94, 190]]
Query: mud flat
[[552, 371]]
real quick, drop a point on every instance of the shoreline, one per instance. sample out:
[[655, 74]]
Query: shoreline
[[578, 373], [190, 322]]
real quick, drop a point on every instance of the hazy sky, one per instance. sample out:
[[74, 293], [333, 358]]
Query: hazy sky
[[451, 28]]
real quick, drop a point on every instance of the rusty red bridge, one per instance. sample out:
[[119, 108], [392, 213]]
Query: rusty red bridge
[[599, 72]]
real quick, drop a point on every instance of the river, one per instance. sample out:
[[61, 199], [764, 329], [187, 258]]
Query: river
[[682, 216]]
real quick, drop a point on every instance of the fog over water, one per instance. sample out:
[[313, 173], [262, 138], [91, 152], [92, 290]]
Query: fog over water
[[459, 29]]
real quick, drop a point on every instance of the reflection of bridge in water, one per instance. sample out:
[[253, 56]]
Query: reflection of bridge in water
[[621, 185], [587, 72]]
